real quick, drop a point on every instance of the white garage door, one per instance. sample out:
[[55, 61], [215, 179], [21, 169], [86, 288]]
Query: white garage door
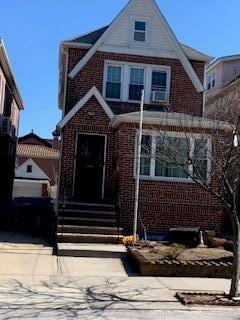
[[27, 190]]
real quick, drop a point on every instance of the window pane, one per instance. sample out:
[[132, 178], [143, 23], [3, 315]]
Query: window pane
[[113, 90], [146, 155], [171, 157], [136, 83], [135, 92], [139, 36], [200, 159], [159, 79], [140, 25], [137, 76], [114, 74], [146, 145], [113, 85], [145, 166]]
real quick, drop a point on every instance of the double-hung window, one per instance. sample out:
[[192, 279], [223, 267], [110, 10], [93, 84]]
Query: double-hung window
[[159, 86], [140, 29], [173, 156], [136, 83], [125, 80], [113, 84], [211, 81]]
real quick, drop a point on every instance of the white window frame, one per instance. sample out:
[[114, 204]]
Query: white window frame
[[134, 19], [210, 78], [112, 64], [125, 80], [191, 136]]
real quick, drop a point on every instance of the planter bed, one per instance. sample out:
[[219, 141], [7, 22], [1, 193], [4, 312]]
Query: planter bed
[[176, 268], [210, 299]]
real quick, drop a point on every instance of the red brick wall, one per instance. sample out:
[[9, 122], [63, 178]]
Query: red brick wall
[[162, 204], [183, 98], [85, 122]]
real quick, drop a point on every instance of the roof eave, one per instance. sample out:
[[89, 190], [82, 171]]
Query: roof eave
[[194, 122], [7, 69]]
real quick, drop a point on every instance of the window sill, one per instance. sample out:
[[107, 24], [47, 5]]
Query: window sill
[[165, 179]]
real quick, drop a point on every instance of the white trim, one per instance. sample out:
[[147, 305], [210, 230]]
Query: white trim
[[94, 48], [217, 61], [162, 21], [32, 181], [192, 137], [147, 32], [171, 119], [125, 79], [134, 50], [92, 92], [104, 160]]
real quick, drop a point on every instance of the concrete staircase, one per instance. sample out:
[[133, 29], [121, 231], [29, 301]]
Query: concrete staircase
[[88, 230]]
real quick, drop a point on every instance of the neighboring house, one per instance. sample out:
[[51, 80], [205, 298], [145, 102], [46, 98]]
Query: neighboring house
[[102, 74], [10, 105], [222, 98], [36, 171]]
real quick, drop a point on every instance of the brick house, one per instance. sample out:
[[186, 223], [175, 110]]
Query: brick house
[[102, 74], [10, 106]]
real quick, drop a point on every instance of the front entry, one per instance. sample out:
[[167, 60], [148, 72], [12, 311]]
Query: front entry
[[89, 168]]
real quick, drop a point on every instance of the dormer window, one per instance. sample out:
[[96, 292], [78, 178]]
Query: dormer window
[[140, 31]]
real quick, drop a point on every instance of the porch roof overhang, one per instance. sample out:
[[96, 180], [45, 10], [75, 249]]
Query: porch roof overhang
[[170, 119]]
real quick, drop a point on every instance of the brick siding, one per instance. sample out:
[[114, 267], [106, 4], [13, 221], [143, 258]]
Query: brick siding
[[183, 95], [162, 204]]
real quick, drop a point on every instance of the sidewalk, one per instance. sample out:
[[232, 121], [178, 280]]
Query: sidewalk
[[32, 278]]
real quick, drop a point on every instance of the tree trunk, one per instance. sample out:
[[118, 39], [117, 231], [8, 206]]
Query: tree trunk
[[236, 260]]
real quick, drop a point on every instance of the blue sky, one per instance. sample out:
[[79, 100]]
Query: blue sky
[[32, 31]]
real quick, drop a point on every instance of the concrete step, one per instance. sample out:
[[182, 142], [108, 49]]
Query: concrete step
[[86, 213], [87, 206], [91, 250], [89, 230], [82, 221], [88, 238]]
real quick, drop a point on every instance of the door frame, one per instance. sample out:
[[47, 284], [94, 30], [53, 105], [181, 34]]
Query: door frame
[[104, 159]]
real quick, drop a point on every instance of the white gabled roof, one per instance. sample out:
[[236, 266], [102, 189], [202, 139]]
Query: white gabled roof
[[37, 173], [92, 92], [172, 38]]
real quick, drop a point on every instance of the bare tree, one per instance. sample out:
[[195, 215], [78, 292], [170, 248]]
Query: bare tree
[[202, 149]]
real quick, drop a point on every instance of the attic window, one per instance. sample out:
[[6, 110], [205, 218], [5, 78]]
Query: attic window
[[140, 29], [29, 169]]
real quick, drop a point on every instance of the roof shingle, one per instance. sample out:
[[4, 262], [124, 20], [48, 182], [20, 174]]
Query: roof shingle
[[35, 151]]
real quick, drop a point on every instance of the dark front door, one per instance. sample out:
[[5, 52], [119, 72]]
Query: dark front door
[[89, 168]]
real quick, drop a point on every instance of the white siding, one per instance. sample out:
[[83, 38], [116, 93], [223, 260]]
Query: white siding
[[120, 39], [37, 173], [2, 90]]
